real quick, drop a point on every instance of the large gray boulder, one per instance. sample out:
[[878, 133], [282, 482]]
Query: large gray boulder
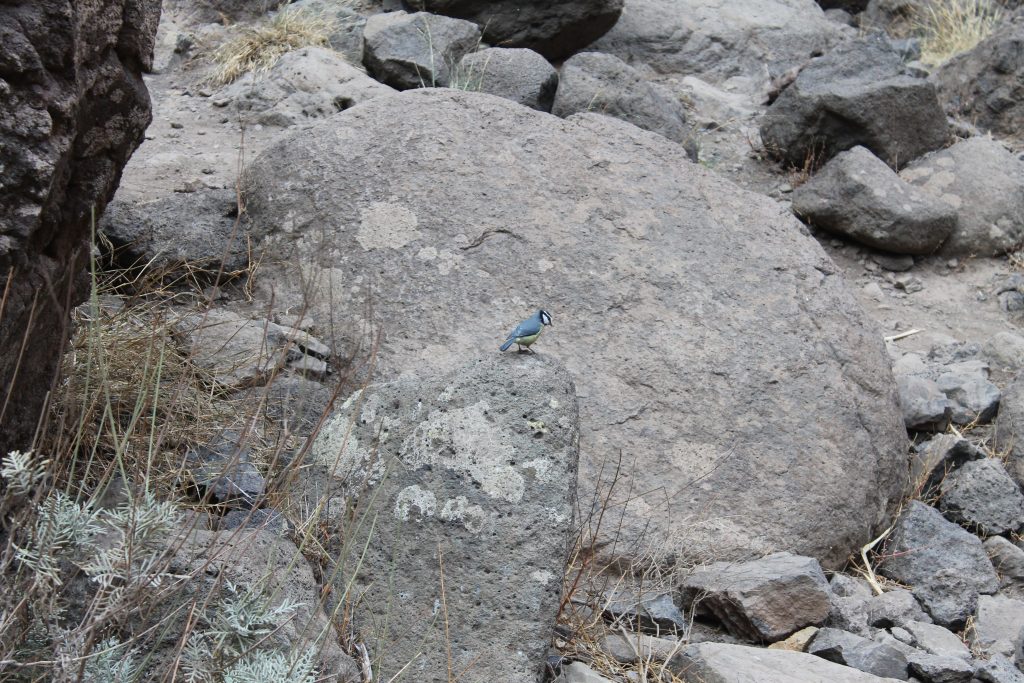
[[304, 85], [986, 85], [604, 84], [858, 196], [73, 107], [750, 41], [858, 94], [464, 487], [984, 182], [416, 50], [517, 74], [554, 29], [686, 308]]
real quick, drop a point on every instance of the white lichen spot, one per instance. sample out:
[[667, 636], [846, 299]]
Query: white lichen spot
[[553, 403], [465, 441], [541, 469], [447, 261], [417, 497], [460, 511], [337, 448], [544, 265], [537, 426], [386, 225], [427, 254], [542, 576]]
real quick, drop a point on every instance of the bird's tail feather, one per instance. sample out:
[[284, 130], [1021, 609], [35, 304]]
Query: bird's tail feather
[[507, 344]]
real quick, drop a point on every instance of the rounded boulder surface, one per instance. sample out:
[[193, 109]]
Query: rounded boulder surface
[[725, 370]]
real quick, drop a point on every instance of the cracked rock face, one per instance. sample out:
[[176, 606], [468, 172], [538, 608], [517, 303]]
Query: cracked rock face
[[716, 349], [464, 482], [73, 108]]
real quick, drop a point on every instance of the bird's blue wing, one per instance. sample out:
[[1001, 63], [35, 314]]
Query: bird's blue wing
[[526, 328]]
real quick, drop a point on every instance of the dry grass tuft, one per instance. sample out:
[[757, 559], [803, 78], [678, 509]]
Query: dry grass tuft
[[949, 27], [256, 49]]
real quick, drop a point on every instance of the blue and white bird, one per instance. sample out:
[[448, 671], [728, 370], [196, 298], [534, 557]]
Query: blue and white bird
[[527, 331]]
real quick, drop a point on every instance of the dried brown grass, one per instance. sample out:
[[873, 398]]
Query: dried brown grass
[[949, 27], [256, 49]]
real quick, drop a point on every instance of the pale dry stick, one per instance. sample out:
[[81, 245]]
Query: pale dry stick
[[364, 662], [867, 564], [901, 335]]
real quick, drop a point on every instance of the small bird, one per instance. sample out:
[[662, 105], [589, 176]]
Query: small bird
[[527, 331]]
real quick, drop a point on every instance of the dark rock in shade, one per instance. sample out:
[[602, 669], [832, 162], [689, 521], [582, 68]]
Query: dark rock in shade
[[858, 94], [981, 495], [984, 182], [894, 608], [223, 474], [858, 652], [851, 6], [651, 612], [938, 669], [517, 74], [722, 663], [293, 401], [923, 543], [195, 235], [469, 479], [752, 44], [264, 519], [999, 626], [554, 29], [985, 85], [931, 460], [950, 599], [416, 50], [604, 84], [998, 669], [1009, 437], [858, 196], [1008, 559], [557, 197], [761, 600], [73, 108], [925, 407]]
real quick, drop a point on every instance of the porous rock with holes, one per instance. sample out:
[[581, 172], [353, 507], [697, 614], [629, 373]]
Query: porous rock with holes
[[450, 508], [303, 86]]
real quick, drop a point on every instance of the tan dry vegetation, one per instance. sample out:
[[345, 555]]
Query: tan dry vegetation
[[257, 48], [949, 27]]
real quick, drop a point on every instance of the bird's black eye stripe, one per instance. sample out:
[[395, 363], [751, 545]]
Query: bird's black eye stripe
[[545, 317]]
